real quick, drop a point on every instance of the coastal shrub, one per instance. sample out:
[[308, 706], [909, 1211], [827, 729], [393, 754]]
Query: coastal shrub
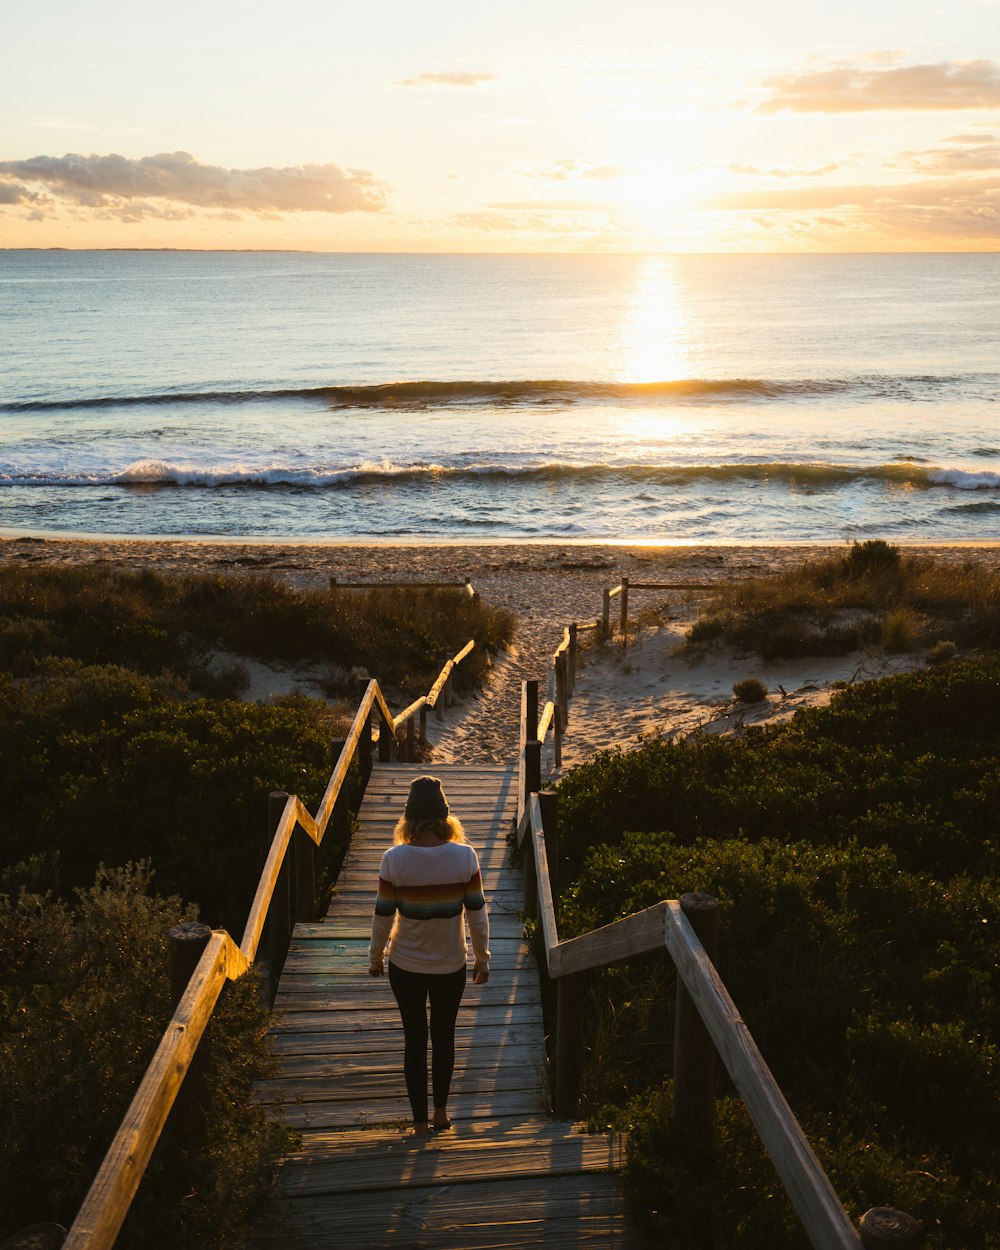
[[85, 1000], [943, 652], [103, 766], [150, 622], [854, 854], [872, 596], [750, 690]]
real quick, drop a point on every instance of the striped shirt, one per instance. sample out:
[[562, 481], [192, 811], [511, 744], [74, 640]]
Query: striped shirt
[[423, 894]]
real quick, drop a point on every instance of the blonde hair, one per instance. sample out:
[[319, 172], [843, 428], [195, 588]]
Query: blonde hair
[[447, 828]]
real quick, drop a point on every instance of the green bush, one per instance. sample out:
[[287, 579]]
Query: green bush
[[854, 854], [85, 1001], [103, 766], [750, 690]]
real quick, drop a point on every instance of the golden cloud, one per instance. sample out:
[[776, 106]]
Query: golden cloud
[[850, 89]]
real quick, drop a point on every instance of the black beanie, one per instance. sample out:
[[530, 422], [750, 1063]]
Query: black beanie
[[426, 800]]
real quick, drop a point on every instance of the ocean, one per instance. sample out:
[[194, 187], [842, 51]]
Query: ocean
[[396, 398]]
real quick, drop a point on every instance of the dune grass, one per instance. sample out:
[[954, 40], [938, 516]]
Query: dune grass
[[150, 623], [874, 596]]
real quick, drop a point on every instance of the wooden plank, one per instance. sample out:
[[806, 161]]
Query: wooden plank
[[335, 1053], [366, 1111], [385, 1015], [449, 1162], [327, 1081], [808, 1186], [501, 1041]]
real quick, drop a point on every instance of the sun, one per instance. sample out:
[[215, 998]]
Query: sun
[[657, 193]]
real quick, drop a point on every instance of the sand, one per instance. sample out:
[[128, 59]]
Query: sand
[[623, 695]]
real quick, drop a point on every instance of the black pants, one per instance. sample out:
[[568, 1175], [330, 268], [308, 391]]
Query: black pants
[[445, 990]]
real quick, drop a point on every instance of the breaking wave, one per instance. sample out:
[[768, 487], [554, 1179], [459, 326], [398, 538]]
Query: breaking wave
[[146, 473], [423, 395]]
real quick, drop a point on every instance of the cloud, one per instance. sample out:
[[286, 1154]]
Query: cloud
[[11, 193], [757, 172], [449, 78], [848, 89], [929, 192], [984, 157], [124, 187], [566, 170]]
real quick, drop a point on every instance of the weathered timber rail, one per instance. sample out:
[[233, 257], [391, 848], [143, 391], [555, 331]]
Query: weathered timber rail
[[506, 1174], [107, 1202]]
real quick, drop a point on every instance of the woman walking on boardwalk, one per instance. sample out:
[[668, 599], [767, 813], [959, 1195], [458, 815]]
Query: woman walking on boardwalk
[[429, 883]]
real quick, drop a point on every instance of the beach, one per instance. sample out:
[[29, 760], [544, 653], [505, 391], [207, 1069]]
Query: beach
[[623, 695]]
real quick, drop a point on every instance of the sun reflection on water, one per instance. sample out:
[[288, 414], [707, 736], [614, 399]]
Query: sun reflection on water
[[655, 334]]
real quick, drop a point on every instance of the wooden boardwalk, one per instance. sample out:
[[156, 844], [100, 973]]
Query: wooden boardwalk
[[506, 1175]]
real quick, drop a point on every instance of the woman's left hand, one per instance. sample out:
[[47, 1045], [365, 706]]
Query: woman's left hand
[[376, 970]]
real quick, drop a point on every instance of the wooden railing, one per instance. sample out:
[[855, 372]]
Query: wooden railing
[[622, 591], [106, 1204], [707, 1023]]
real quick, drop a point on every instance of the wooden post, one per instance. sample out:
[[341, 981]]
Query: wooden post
[[304, 849], [384, 740], [694, 1054], [186, 944], [411, 739], [529, 710], [624, 621], [557, 737], [339, 829], [423, 725], [562, 694], [606, 616], [574, 647], [882, 1228], [279, 914], [549, 805], [532, 768], [569, 1043]]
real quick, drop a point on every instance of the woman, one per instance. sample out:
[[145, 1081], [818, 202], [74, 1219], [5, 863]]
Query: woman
[[427, 882]]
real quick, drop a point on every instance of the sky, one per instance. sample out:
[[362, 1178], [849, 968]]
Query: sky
[[514, 126]]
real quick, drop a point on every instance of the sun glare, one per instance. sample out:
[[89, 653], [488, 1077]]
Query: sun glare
[[654, 336]]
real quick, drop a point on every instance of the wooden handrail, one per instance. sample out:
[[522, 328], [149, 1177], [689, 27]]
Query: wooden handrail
[[107, 1202], [106, 1205], [814, 1198], [664, 926]]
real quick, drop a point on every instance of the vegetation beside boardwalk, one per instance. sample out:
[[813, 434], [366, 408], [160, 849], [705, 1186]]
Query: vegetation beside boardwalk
[[855, 854], [873, 596], [108, 756]]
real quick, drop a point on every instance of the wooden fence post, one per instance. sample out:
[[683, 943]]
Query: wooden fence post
[[411, 739], [624, 620], [574, 647], [562, 687], [423, 725], [569, 1043], [186, 944], [882, 1228], [606, 615], [304, 849], [279, 914], [694, 1054], [385, 739]]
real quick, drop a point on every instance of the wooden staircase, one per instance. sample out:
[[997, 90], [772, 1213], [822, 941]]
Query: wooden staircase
[[505, 1175]]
